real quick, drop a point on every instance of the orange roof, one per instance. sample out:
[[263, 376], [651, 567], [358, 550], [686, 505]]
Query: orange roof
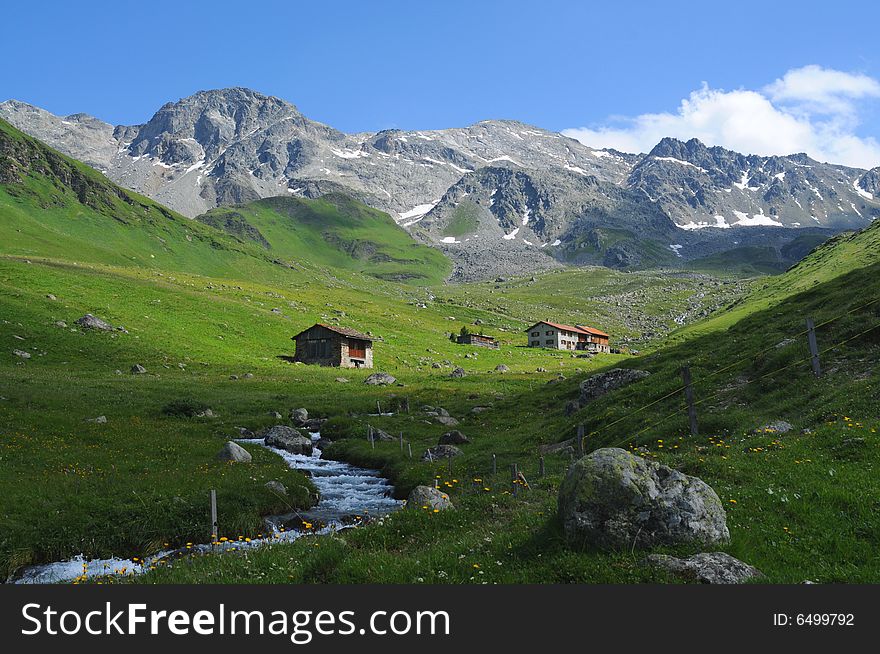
[[580, 329], [594, 331], [567, 328]]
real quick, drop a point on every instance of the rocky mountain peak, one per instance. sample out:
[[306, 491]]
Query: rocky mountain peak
[[203, 125]]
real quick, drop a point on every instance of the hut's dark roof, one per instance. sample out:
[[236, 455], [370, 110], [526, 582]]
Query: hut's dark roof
[[344, 331]]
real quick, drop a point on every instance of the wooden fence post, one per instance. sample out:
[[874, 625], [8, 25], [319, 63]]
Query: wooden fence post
[[409, 449], [215, 534], [580, 444], [378, 408], [689, 396], [541, 467], [814, 348], [401, 441], [494, 465]]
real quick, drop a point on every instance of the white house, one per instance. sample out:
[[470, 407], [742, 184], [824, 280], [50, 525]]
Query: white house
[[567, 337]]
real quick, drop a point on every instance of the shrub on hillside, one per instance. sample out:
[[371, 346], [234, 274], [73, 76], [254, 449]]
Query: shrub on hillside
[[183, 408]]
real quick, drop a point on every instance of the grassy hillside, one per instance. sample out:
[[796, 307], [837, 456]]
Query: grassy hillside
[[800, 505], [55, 207], [835, 257], [333, 231], [140, 479]]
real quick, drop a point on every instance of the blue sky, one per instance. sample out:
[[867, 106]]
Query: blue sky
[[364, 66]]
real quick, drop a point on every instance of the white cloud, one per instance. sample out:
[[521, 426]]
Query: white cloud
[[822, 90], [809, 109]]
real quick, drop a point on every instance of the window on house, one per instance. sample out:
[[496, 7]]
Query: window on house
[[549, 341]]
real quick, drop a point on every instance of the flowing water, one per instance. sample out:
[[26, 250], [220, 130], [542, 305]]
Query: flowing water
[[348, 495]]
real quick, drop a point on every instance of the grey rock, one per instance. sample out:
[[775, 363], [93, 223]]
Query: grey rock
[[501, 368], [441, 452], [299, 417], [138, 369], [323, 443], [453, 437], [342, 380], [276, 415], [22, 354], [61, 323], [89, 321], [605, 382], [235, 453], [380, 379], [100, 420], [458, 373], [313, 424], [449, 421], [288, 439], [380, 435], [207, 413], [705, 568], [425, 498], [612, 499], [572, 407], [480, 409], [775, 427], [50, 296], [276, 487], [244, 432]]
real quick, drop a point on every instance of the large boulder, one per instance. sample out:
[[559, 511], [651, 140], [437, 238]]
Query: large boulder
[[138, 369], [705, 568], [380, 379], [612, 499], [425, 498], [89, 321], [440, 452], [501, 368], [605, 382], [454, 437], [234, 453], [458, 373], [449, 421], [288, 439]]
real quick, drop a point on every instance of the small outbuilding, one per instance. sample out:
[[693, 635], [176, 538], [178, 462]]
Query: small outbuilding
[[328, 345], [480, 340]]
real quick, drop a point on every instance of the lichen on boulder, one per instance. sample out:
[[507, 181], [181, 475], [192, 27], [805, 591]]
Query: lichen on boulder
[[612, 499]]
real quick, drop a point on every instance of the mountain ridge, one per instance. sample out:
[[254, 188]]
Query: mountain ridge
[[234, 146]]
